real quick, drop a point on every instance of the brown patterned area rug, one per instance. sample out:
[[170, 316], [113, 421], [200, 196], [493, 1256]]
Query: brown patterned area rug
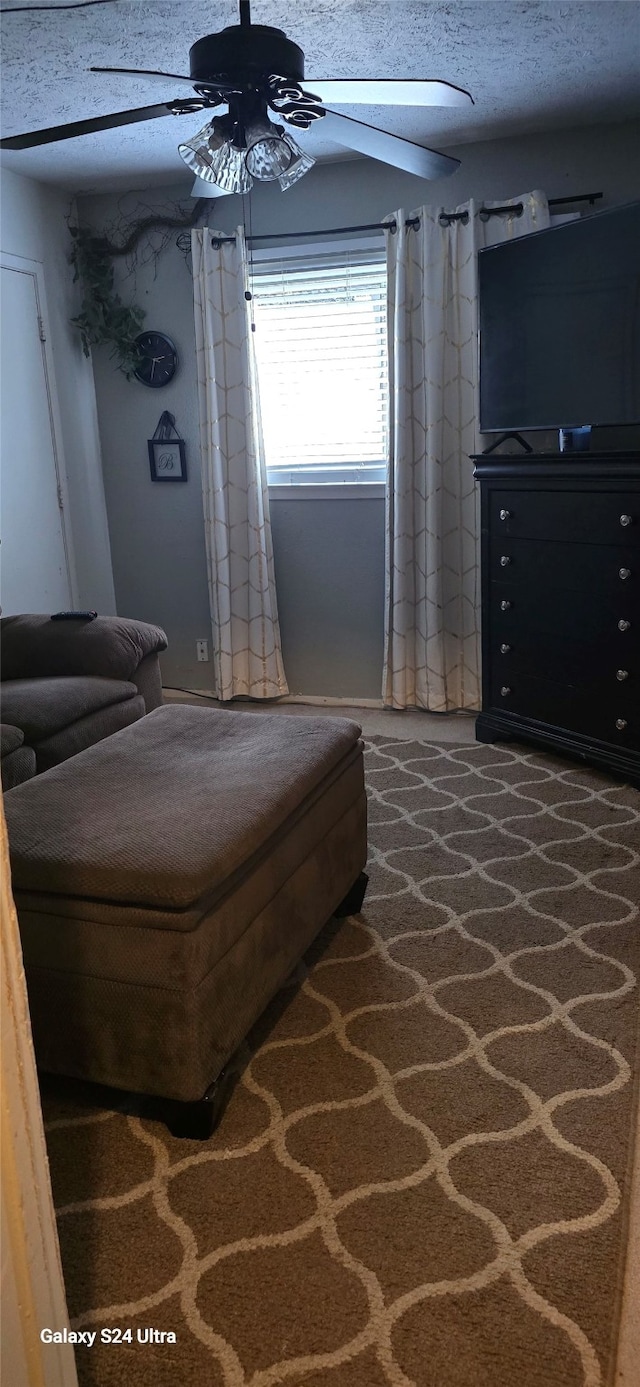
[[422, 1174]]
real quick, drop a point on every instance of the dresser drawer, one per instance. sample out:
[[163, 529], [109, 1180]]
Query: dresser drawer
[[610, 669], [591, 517], [600, 570], [517, 613], [614, 719]]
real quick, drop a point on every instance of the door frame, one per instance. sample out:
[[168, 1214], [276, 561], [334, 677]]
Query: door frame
[[35, 269], [32, 1282]]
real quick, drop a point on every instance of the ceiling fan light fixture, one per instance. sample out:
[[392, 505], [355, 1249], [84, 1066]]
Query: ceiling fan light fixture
[[229, 155], [300, 164]]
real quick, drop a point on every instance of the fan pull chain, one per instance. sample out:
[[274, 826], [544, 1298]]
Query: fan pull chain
[[248, 236]]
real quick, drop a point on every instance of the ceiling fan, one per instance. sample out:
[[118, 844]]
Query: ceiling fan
[[252, 69]]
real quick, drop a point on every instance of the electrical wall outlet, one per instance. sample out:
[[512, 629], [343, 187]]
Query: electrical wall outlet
[[202, 650]]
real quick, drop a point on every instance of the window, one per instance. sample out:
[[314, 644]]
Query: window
[[321, 349]]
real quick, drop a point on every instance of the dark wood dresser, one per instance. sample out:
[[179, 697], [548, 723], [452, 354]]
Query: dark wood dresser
[[561, 605]]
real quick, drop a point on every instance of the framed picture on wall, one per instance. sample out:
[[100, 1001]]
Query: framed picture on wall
[[167, 460]]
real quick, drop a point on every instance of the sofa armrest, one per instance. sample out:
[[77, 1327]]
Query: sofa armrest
[[148, 682], [112, 647]]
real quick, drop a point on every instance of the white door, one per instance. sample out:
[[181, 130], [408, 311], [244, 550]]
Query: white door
[[34, 563]]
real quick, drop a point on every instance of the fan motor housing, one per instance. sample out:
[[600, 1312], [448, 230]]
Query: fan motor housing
[[245, 51]]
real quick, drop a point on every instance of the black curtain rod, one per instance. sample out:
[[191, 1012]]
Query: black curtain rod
[[516, 208], [581, 197], [326, 231], [445, 219]]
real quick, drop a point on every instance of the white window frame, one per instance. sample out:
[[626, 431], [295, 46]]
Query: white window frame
[[316, 489]]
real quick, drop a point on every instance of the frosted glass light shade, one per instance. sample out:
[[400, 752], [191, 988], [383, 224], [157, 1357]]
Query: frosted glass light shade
[[198, 151], [300, 164], [268, 158], [213, 158], [268, 152], [228, 170]]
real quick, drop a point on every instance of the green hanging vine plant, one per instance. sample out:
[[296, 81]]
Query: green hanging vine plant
[[103, 320]]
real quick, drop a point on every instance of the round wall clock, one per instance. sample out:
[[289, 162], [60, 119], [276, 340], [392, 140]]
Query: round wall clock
[[158, 359]]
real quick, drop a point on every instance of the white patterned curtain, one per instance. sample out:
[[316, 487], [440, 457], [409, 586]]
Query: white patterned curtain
[[432, 641], [247, 656]]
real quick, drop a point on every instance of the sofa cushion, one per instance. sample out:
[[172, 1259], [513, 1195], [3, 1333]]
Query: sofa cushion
[[41, 707], [35, 647], [19, 765], [10, 738], [168, 809], [86, 731]]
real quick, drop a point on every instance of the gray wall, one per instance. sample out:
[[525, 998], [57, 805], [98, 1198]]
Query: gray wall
[[157, 531], [329, 555], [329, 559], [34, 225]]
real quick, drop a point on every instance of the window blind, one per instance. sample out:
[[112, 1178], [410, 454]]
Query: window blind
[[321, 349]]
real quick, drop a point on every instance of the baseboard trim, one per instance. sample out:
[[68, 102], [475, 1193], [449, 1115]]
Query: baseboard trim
[[320, 701], [170, 695], [314, 701]]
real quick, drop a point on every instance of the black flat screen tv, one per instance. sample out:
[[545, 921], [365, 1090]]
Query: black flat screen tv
[[560, 326]]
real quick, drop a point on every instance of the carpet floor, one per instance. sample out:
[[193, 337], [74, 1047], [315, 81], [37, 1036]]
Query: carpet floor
[[422, 1175]]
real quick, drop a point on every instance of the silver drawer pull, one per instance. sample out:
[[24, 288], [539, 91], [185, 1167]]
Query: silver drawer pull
[[505, 691], [506, 515], [505, 605], [621, 723], [621, 675], [623, 625], [626, 520], [504, 560], [504, 649], [624, 573]]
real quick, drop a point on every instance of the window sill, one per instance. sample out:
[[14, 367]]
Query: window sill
[[328, 491]]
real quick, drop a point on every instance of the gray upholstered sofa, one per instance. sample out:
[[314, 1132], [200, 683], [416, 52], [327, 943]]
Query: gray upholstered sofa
[[67, 684]]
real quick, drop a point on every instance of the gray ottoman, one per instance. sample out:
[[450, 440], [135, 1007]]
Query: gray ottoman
[[167, 880]]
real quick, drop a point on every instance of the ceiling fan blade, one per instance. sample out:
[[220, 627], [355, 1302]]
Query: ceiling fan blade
[[86, 127], [388, 92], [162, 76], [142, 72], [390, 149]]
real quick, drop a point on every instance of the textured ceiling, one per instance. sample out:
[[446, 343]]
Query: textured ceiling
[[542, 65]]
